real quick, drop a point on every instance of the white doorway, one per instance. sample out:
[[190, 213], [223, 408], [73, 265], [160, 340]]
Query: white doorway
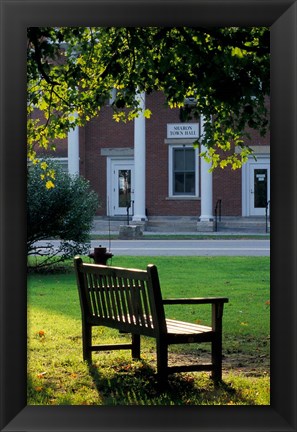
[[259, 188], [120, 186], [256, 187]]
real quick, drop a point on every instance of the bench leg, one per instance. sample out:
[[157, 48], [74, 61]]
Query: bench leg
[[162, 363], [87, 342], [216, 354], [216, 345], [135, 346]]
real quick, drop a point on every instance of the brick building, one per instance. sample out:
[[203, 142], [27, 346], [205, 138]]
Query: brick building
[[152, 164]]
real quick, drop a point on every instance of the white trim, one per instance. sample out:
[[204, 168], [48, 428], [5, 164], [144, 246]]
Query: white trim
[[140, 162], [112, 96], [186, 141], [117, 152], [171, 147], [206, 212], [260, 150], [110, 194], [206, 190], [246, 186], [73, 150]]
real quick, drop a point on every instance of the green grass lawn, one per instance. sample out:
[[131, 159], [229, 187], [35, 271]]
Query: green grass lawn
[[57, 374]]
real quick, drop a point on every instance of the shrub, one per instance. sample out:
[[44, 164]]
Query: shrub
[[64, 212]]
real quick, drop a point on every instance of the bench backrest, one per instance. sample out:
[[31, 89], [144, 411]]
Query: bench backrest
[[127, 299]]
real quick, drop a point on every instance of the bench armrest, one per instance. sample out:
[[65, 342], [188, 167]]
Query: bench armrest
[[217, 307], [196, 300]]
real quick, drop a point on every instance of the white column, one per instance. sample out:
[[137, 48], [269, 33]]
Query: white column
[[139, 163], [206, 185], [73, 151]]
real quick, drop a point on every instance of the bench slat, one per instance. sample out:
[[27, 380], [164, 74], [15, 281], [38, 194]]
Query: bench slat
[[195, 300], [122, 299], [146, 308], [111, 347], [181, 327], [191, 368]]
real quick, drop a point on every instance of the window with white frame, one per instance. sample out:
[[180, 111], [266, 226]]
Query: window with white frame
[[183, 171]]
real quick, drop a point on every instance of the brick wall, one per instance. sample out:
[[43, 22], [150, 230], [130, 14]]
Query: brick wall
[[103, 132], [227, 187], [158, 203]]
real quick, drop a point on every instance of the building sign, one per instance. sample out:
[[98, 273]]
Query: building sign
[[182, 130]]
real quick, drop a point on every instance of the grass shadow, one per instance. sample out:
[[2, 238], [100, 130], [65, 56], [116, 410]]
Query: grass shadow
[[135, 383]]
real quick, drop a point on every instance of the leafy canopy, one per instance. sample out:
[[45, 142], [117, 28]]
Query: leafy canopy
[[224, 72]]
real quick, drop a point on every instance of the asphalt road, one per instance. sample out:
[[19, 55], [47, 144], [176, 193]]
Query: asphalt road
[[186, 247], [189, 247]]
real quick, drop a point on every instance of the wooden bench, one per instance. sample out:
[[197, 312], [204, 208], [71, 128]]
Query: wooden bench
[[130, 300]]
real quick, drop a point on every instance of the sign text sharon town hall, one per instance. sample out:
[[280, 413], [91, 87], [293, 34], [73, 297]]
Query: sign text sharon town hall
[[182, 130]]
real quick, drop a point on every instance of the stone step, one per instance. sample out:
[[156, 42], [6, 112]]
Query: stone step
[[244, 224], [171, 224], [105, 224], [182, 224]]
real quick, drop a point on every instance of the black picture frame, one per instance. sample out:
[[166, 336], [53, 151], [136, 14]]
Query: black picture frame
[[16, 16]]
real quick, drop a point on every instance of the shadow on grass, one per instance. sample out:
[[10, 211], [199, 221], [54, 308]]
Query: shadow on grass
[[136, 384], [126, 383]]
